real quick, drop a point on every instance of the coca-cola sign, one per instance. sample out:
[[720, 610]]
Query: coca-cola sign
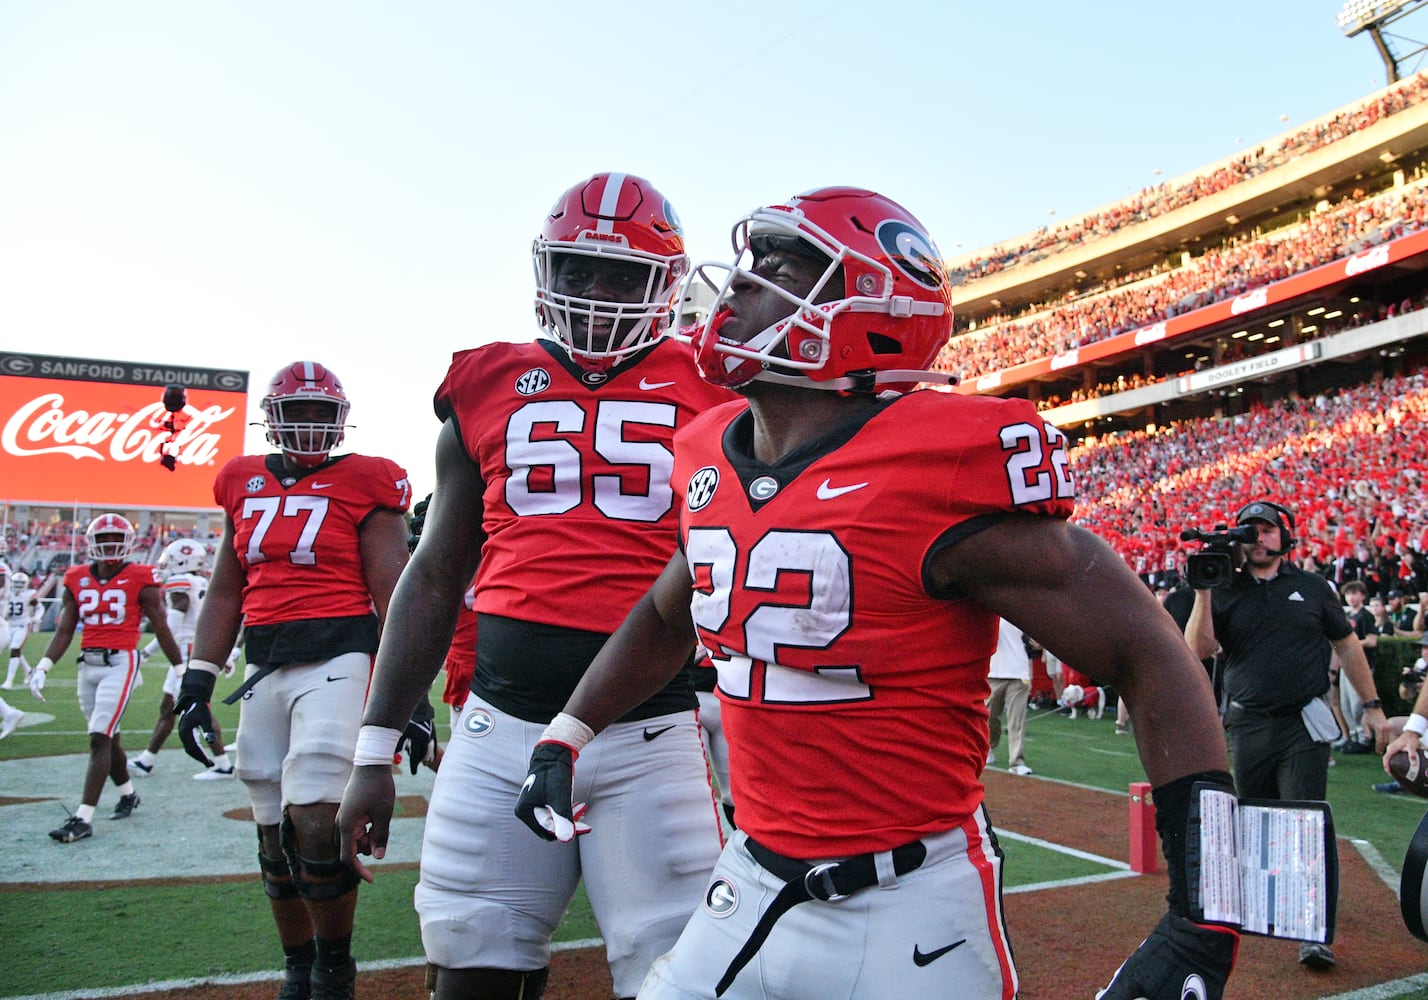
[[102, 436], [43, 427]]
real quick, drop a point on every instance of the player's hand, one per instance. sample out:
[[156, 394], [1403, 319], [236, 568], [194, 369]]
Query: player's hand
[[229, 665], [1406, 742], [195, 724], [420, 743], [1178, 956], [544, 803], [144, 654], [364, 819], [37, 682]]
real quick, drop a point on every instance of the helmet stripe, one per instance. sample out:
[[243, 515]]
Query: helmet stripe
[[308, 375], [610, 203]]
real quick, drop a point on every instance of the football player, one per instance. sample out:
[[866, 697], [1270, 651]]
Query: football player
[[22, 616], [846, 551], [312, 546], [108, 595], [553, 489], [182, 571]]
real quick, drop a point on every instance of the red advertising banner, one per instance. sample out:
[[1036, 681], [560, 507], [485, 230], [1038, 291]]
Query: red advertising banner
[[1286, 290], [78, 430]]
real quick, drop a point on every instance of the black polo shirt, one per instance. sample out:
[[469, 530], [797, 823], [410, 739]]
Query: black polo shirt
[[1276, 637]]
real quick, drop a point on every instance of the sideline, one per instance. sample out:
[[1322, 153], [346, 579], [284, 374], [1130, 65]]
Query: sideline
[[243, 978]]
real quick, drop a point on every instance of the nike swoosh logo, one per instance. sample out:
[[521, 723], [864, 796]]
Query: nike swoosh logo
[[647, 384], [921, 958], [1193, 988], [530, 783], [652, 733], [331, 679], [827, 491], [320, 486]]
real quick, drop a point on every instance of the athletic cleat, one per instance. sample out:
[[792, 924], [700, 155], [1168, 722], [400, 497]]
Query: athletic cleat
[[334, 984], [139, 770], [10, 721], [297, 983], [7, 687], [126, 805], [1021, 769], [1313, 955], [74, 829], [214, 774]]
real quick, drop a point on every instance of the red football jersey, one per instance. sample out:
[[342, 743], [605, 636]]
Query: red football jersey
[[109, 609], [853, 701], [461, 657], [579, 512], [296, 536]]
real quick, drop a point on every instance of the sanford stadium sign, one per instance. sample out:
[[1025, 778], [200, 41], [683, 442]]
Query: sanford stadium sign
[[93, 432]]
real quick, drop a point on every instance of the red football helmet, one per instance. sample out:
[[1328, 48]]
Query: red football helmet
[[894, 316], [100, 538], [306, 442], [609, 217]]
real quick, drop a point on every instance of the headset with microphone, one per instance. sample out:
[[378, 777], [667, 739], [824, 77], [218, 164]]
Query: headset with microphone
[[1276, 514]]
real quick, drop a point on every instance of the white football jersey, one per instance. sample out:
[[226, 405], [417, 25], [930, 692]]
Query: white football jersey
[[19, 607], [196, 587]]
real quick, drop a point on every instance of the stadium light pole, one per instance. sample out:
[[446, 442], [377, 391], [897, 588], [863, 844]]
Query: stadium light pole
[[1373, 16]]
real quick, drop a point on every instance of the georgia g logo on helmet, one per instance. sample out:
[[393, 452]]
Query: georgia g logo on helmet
[[911, 251]]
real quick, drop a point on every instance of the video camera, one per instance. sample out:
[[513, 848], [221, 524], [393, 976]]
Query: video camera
[[1211, 567]]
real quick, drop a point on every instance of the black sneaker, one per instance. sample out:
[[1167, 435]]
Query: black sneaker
[[1389, 788], [126, 805], [1313, 955], [74, 829], [297, 983], [334, 984], [1352, 747]]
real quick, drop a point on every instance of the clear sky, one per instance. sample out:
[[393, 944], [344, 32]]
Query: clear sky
[[244, 184]]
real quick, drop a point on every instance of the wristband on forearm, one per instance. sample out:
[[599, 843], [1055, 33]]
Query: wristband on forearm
[[1172, 820], [205, 666], [1416, 724], [569, 730], [45, 665], [375, 745]]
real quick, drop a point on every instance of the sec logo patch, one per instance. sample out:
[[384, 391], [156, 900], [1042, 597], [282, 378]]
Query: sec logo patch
[[477, 721], [721, 898]]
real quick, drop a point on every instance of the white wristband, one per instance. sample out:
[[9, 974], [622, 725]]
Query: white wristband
[[375, 745], [44, 665], [206, 666], [1416, 724], [569, 730]]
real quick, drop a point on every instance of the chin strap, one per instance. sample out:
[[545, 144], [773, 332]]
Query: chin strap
[[859, 381]]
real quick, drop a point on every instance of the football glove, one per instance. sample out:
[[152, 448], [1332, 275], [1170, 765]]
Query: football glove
[[1180, 959], [38, 675], [417, 522], [544, 803], [195, 717], [419, 740]]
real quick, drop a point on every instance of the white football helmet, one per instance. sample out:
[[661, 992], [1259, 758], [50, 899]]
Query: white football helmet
[[19, 583], [119, 534], [183, 556]]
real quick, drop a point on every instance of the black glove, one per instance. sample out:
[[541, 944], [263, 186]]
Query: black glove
[[544, 803], [417, 522], [195, 718], [1168, 964], [419, 742]]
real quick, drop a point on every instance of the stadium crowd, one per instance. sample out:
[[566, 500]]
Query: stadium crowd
[[1140, 300], [1161, 199], [1352, 465]]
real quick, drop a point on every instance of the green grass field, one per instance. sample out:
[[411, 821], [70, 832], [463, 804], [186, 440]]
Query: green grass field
[[201, 929]]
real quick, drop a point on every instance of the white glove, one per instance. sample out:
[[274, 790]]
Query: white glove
[[144, 654], [230, 664], [37, 677]]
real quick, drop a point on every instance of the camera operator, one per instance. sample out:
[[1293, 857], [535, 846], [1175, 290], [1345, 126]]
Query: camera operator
[[1275, 625]]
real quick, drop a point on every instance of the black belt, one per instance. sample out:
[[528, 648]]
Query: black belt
[[106, 652], [829, 881], [1268, 713], [247, 685]]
